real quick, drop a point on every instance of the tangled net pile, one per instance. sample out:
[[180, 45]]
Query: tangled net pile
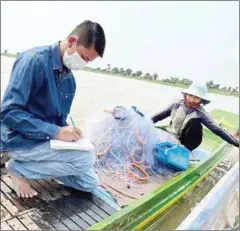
[[124, 140]]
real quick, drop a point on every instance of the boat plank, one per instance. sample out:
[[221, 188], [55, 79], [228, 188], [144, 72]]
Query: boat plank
[[39, 220], [12, 209], [66, 221], [52, 217], [52, 190], [79, 211], [28, 222], [86, 209], [108, 209], [45, 194], [28, 203], [19, 202], [86, 198], [59, 187], [59, 204], [5, 188], [54, 208], [5, 226], [5, 214], [16, 224]]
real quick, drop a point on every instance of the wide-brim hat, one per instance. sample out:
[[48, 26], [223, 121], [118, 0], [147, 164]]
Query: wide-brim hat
[[199, 90]]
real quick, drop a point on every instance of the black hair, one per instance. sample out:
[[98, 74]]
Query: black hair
[[90, 34]]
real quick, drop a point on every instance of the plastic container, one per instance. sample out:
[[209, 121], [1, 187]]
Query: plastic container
[[174, 156]]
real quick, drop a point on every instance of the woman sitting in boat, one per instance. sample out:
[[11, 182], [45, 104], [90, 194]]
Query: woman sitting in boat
[[188, 115]]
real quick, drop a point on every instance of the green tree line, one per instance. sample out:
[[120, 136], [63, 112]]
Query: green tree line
[[182, 82]]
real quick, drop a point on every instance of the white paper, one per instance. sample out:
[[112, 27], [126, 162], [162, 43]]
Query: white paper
[[82, 145]]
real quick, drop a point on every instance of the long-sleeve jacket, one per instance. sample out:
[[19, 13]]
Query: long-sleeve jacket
[[180, 115]]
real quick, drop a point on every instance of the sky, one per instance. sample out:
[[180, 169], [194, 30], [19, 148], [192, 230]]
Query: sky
[[198, 40]]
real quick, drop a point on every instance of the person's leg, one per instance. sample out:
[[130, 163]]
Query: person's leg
[[85, 182], [44, 162], [191, 136]]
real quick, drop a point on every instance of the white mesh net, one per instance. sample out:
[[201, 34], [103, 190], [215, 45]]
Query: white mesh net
[[124, 140]]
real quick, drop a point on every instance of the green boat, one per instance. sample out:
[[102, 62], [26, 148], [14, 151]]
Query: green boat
[[144, 211], [60, 208]]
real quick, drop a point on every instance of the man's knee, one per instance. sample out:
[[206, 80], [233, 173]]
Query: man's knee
[[192, 129], [84, 159], [191, 136], [194, 124]]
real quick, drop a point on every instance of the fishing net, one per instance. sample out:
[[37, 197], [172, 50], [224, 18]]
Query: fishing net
[[124, 139]]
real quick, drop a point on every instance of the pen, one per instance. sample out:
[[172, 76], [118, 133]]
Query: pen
[[72, 121]]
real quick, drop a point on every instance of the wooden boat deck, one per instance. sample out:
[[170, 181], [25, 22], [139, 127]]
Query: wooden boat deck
[[55, 208]]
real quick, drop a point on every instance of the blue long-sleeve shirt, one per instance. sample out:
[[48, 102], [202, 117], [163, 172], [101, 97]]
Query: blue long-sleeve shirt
[[37, 100], [180, 115]]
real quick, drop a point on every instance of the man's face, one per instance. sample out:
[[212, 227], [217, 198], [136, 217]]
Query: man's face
[[192, 101], [88, 54]]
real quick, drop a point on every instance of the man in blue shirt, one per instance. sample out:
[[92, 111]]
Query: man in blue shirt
[[35, 108]]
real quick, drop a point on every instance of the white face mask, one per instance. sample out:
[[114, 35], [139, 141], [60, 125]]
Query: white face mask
[[74, 61]]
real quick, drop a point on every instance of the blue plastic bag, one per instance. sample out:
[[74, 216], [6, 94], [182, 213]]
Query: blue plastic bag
[[174, 156]]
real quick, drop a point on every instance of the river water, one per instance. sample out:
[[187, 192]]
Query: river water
[[97, 91]]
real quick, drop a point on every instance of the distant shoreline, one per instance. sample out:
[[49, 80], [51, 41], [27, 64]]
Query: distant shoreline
[[213, 91]]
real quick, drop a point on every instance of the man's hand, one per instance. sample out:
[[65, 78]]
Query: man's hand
[[236, 134], [69, 133], [236, 137]]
